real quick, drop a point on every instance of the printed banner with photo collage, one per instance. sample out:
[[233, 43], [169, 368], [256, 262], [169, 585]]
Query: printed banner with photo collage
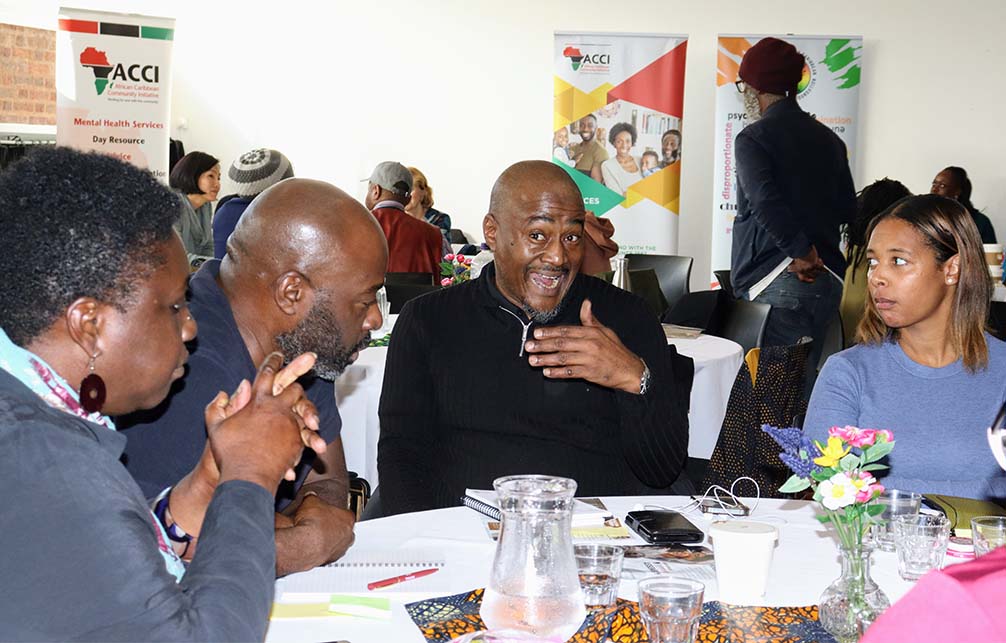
[[829, 89], [113, 86], [617, 131]]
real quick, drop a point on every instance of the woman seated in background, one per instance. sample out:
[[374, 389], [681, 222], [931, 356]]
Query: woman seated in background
[[92, 326], [623, 170], [196, 177], [925, 369], [953, 182], [251, 173], [421, 207], [871, 201]]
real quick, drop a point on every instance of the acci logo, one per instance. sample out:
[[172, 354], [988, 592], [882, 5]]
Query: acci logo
[[574, 55]]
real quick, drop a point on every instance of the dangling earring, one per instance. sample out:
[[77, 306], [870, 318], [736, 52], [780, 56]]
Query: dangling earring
[[92, 389]]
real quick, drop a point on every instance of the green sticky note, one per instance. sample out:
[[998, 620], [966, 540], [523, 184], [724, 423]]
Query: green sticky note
[[374, 607]]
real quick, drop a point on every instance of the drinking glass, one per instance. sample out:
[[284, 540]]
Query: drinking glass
[[921, 541], [895, 503], [670, 608], [500, 636], [384, 306], [600, 569], [988, 532]]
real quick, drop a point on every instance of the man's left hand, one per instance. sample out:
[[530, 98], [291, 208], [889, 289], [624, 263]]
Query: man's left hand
[[592, 352], [321, 533]]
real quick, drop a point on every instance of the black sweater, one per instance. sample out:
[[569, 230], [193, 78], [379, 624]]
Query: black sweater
[[461, 406]]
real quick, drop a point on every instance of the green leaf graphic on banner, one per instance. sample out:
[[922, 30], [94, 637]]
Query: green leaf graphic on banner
[[851, 78], [840, 54], [596, 198]]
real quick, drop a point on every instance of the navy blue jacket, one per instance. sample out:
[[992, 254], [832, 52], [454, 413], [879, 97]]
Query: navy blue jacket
[[794, 190]]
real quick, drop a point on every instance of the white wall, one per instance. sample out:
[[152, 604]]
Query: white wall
[[463, 89]]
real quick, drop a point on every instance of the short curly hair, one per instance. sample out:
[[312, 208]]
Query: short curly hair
[[618, 128], [76, 225]]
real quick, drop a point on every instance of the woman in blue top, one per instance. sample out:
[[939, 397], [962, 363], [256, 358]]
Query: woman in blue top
[[925, 369]]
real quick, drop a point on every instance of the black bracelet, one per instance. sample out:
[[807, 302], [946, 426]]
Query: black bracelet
[[175, 533]]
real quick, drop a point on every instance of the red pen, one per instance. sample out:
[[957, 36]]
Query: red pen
[[394, 580]]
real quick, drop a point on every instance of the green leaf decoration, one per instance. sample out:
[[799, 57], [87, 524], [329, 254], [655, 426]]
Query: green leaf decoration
[[794, 484], [823, 474], [874, 467], [874, 509], [877, 451], [849, 462]]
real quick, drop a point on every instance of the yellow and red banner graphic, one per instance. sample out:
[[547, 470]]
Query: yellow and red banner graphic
[[617, 130]]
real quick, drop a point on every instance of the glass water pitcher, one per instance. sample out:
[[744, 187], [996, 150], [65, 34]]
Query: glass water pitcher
[[534, 585]]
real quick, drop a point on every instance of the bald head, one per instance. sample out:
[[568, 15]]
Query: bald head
[[530, 181], [301, 224]]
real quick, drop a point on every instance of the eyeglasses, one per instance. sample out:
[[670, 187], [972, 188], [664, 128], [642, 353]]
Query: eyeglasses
[[740, 85]]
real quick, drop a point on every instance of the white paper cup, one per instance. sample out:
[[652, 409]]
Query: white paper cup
[[743, 552]]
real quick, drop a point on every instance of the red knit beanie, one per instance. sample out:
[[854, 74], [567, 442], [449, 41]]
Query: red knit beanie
[[772, 66]]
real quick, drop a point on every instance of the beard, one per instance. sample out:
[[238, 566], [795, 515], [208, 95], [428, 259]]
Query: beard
[[320, 333], [545, 316], [751, 108]]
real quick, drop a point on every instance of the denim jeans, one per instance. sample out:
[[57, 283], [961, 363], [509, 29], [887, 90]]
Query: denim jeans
[[801, 309]]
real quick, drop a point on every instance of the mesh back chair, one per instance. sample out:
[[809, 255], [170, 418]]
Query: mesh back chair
[[723, 276], [774, 396], [398, 294], [409, 278], [743, 322], [644, 284], [673, 273]]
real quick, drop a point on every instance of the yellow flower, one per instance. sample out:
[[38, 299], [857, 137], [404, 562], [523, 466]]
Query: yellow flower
[[831, 454]]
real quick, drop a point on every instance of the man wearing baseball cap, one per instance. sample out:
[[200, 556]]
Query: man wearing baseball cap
[[413, 245], [795, 191]]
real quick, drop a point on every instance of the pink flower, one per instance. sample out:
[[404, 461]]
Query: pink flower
[[468, 261], [459, 258], [887, 434], [446, 281], [449, 257], [854, 436]]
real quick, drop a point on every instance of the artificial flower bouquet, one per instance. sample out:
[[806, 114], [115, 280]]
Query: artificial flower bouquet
[[455, 269], [839, 472]]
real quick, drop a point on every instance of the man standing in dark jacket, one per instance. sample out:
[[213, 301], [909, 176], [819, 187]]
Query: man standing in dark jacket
[[795, 192], [530, 368]]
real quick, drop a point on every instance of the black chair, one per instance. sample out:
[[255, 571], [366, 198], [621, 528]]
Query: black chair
[[359, 493], [643, 283], [398, 294], [997, 319], [456, 236], [833, 342], [744, 322], [702, 309], [673, 273], [409, 278], [723, 276]]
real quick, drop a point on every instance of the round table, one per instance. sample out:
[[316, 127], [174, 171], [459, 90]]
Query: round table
[[358, 392], [804, 563]]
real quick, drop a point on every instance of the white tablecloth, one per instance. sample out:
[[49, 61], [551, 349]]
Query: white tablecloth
[[804, 563], [358, 392]]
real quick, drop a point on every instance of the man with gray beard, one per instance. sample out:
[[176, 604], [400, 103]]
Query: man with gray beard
[[301, 274], [794, 193], [530, 368]]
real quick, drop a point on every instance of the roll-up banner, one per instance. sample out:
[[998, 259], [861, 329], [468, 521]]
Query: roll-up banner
[[829, 89], [617, 130], [113, 85]]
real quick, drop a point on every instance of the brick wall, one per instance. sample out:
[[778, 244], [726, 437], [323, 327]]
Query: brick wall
[[27, 75]]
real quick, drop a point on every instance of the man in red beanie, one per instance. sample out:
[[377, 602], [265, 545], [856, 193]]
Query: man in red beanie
[[795, 191]]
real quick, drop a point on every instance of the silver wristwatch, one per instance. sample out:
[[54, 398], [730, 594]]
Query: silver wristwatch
[[644, 380]]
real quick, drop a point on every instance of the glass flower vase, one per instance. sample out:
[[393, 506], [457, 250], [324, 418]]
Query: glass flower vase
[[850, 604]]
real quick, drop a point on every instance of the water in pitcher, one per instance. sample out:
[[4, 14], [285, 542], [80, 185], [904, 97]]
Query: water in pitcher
[[553, 617]]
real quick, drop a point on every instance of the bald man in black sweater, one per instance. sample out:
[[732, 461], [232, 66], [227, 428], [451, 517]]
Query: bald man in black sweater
[[531, 368]]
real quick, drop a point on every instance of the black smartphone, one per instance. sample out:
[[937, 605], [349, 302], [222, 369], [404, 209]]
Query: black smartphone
[[663, 527]]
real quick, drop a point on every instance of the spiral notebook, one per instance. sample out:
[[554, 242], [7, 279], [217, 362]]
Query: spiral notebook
[[351, 573], [584, 514]]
